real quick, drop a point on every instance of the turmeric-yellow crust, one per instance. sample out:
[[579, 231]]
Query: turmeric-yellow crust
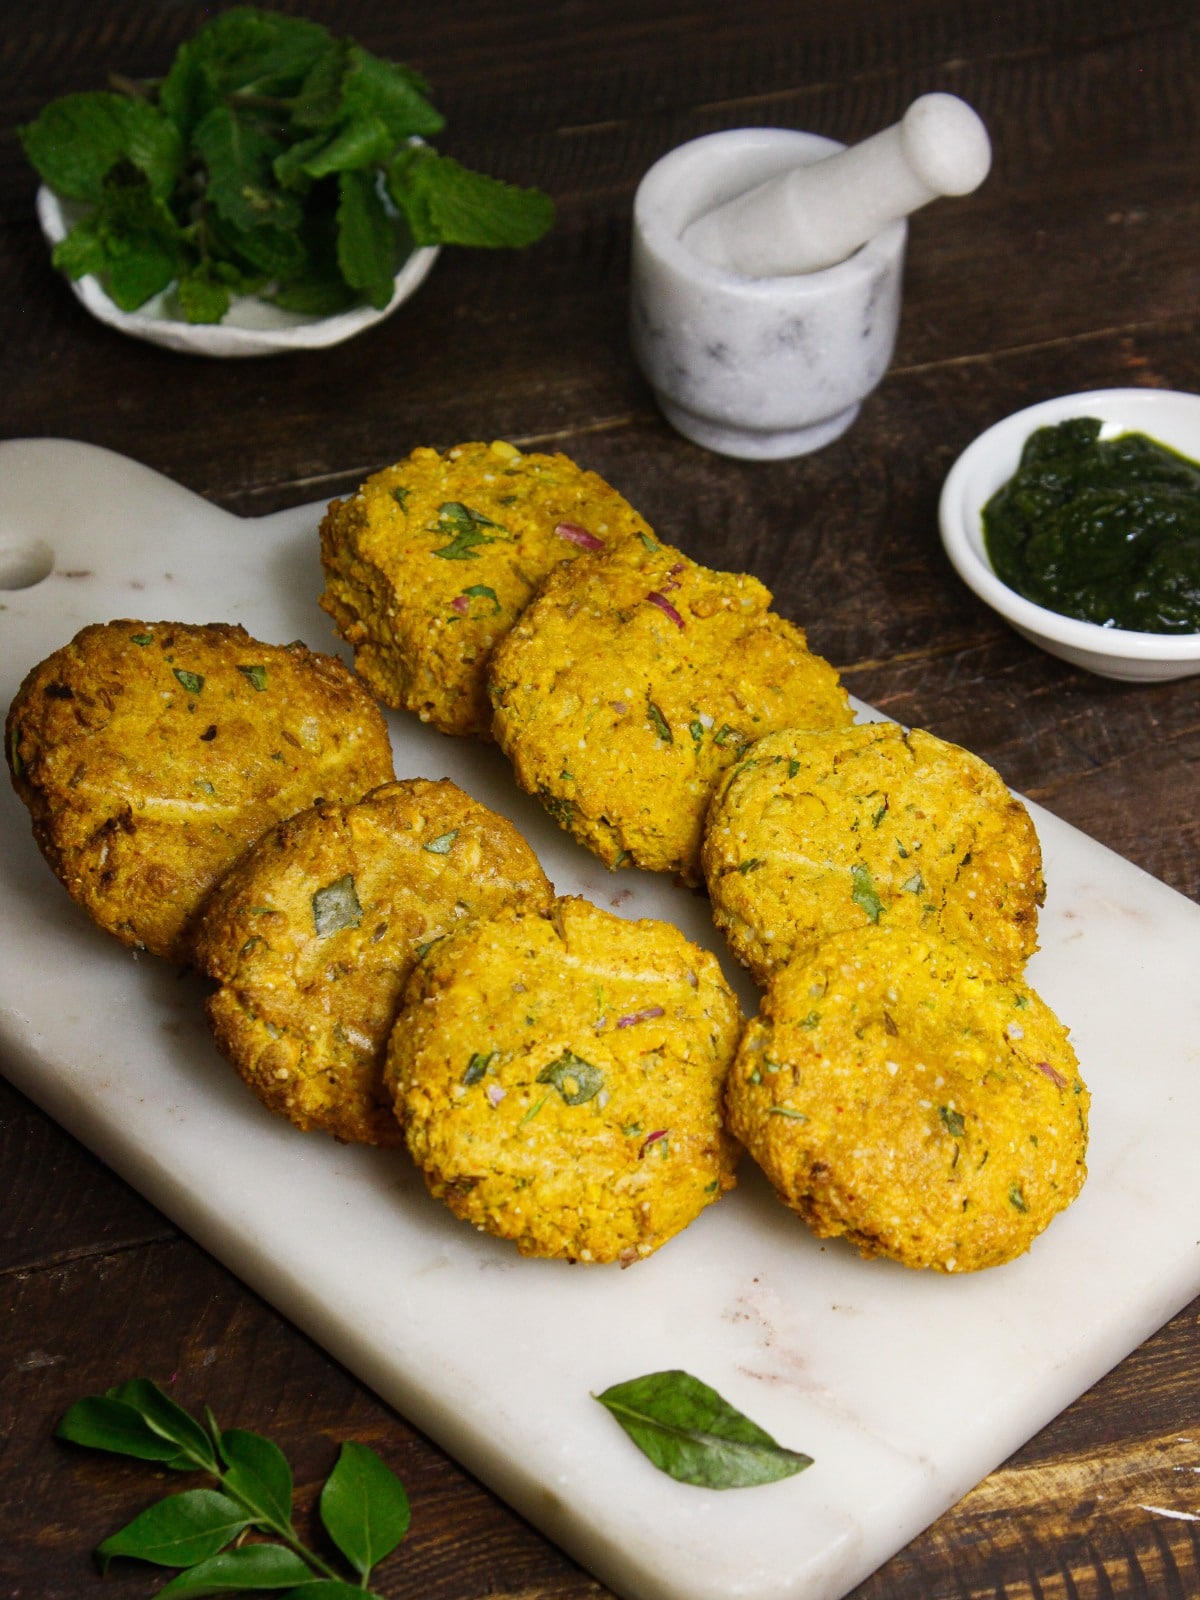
[[151, 754], [898, 1091], [430, 562], [559, 1078], [313, 934], [633, 682], [813, 833]]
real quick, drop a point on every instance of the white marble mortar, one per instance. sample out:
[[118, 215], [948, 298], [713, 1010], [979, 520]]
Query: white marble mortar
[[760, 368]]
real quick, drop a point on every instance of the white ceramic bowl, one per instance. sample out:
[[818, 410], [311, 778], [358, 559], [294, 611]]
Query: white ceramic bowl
[[1169, 417], [251, 327]]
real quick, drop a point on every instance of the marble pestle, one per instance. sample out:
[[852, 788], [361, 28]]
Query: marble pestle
[[816, 215]]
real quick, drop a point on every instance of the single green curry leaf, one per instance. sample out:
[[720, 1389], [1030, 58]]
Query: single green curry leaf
[[688, 1431], [257, 1472], [178, 1531], [170, 1421], [364, 1507], [250, 1566], [104, 1424]]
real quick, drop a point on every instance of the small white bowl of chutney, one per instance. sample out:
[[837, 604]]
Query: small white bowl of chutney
[[1133, 654]]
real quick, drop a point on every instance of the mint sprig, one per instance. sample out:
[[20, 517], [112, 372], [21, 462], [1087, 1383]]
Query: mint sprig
[[273, 159], [363, 1505]]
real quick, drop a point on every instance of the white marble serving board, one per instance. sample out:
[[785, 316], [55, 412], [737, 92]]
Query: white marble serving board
[[906, 1388]]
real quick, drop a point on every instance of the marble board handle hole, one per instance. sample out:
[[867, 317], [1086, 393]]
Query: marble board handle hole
[[24, 560]]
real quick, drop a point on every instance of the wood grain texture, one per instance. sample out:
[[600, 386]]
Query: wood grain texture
[[1075, 266]]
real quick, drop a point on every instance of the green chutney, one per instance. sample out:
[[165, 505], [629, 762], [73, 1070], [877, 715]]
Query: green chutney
[[1107, 530]]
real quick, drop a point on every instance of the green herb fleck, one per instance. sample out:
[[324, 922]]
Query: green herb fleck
[[812, 1020], [913, 885], [879, 815], [649, 543], [730, 735], [400, 494], [751, 864], [863, 892], [466, 525], [793, 767], [953, 1121], [1016, 1197], [480, 591], [477, 1067], [441, 845], [689, 1432], [142, 639], [193, 682], [696, 729], [336, 907], [257, 676], [561, 809], [533, 1110], [659, 723], [575, 1079], [786, 1111]]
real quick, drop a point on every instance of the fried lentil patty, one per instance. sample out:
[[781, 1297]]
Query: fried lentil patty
[[898, 1091], [151, 754], [559, 1079], [633, 682], [813, 833], [313, 933], [428, 565]]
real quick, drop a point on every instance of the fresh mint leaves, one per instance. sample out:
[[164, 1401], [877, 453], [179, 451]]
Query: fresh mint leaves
[[273, 159], [363, 1505], [688, 1431]]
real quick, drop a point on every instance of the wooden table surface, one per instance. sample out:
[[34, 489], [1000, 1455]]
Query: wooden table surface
[[1076, 266]]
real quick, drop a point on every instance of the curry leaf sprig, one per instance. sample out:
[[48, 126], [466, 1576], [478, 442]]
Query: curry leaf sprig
[[272, 159], [363, 1506]]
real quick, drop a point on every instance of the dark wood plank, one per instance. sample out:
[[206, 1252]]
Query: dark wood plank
[[1073, 267]]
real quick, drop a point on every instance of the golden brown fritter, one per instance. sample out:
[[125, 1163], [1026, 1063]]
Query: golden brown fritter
[[151, 754], [315, 930], [895, 1089], [559, 1077], [633, 681], [427, 566], [813, 833]]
